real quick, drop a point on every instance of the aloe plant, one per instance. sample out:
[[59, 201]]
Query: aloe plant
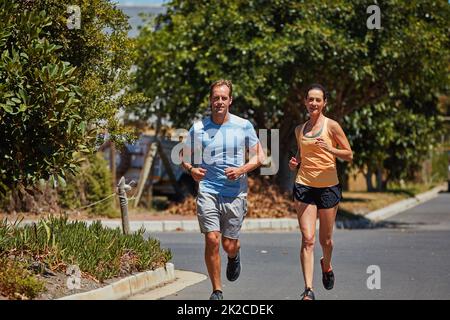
[[100, 252]]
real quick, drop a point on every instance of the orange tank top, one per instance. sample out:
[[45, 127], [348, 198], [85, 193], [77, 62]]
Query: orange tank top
[[318, 166]]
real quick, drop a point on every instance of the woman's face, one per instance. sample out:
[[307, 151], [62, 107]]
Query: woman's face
[[315, 102]]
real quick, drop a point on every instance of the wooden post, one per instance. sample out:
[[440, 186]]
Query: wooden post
[[124, 206], [148, 162], [112, 166]]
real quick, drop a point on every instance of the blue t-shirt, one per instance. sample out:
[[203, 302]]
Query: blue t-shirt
[[217, 147]]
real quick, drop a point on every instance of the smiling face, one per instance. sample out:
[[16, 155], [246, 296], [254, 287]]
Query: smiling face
[[220, 100], [315, 102]]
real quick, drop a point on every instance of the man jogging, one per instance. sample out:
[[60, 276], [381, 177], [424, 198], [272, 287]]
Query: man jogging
[[214, 155]]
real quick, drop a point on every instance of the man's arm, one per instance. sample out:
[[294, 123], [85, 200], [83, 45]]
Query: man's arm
[[196, 173], [257, 158]]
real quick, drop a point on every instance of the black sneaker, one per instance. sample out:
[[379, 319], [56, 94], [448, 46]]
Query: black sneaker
[[234, 267], [216, 295], [308, 294], [327, 277]]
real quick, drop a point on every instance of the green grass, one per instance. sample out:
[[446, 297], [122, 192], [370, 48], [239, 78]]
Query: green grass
[[100, 252], [411, 189], [357, 204]]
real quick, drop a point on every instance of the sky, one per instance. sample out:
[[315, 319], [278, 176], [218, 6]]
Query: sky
[[140, 2]]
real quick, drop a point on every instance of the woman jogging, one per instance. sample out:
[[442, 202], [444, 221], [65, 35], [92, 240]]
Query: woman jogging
[[317, 191]]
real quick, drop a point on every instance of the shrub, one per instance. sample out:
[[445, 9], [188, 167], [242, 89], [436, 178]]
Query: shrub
[[16, 282], [91, 184]]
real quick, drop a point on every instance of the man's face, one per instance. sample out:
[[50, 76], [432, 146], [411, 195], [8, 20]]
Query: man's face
[[315, 102], [220, 100]]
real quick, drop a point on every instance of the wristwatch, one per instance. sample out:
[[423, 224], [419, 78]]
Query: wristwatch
[[190, 169]]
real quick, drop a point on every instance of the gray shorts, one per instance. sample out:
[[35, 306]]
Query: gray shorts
[[218, 213]]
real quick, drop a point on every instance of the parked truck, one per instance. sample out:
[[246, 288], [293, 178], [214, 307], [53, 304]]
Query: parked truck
[[130, 162]]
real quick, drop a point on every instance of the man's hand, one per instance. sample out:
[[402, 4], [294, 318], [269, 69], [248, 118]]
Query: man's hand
[[233, 173], [293, 163], [198, 173]]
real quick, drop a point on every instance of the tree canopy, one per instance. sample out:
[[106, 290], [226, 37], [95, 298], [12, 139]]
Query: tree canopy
[[273, 49], [60, 87]]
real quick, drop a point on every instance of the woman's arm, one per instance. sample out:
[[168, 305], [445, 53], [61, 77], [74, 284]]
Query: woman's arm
[[294, 162], [344, 151]]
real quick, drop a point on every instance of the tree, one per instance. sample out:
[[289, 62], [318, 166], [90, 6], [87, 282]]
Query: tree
[[391, 141], [59, 87], [273, 49]]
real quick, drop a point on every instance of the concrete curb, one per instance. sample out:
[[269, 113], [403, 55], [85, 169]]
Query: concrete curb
[[129, 286], [404, 205], [375, 218], [192, 225]]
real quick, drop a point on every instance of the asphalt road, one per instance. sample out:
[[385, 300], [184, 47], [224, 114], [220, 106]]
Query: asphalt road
[[412, 252]]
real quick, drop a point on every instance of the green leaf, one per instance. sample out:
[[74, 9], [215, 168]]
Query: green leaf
[[7, 108], [62, 181]]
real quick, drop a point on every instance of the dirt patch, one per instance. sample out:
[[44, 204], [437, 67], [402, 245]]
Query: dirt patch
[[265, 200], [56, 286]]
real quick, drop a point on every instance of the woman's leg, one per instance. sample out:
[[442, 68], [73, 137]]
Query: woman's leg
[[307, 216], [327, 218]]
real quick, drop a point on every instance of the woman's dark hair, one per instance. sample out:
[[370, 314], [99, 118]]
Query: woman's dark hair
[[319, 87]]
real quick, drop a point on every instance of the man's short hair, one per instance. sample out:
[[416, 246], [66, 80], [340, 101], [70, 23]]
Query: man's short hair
[[219, 83]]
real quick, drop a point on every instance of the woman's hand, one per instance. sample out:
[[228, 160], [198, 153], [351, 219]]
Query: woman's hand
[[321, 143], [293, 163]]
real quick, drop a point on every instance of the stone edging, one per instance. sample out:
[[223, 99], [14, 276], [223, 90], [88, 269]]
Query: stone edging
[[129, 286]]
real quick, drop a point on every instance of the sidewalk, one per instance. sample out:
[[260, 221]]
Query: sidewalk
[[162, 223]]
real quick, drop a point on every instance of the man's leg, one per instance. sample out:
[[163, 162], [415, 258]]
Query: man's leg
[[212, 258], [231, 246], [307, 216], [234, 211]]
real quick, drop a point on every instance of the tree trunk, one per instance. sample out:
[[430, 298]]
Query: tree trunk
[[112, 164], [368, 177], [342, 171], [285, 177], [380, 185], [384, 184]]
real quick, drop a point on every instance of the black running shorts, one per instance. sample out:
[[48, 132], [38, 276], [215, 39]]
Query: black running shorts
[[323, 198]]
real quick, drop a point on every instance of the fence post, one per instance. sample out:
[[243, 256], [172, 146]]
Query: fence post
[[122, 187]]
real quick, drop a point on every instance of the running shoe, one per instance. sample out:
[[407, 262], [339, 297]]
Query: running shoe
[[327, 277], [308, 294], [216, 295], [234, 267]]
